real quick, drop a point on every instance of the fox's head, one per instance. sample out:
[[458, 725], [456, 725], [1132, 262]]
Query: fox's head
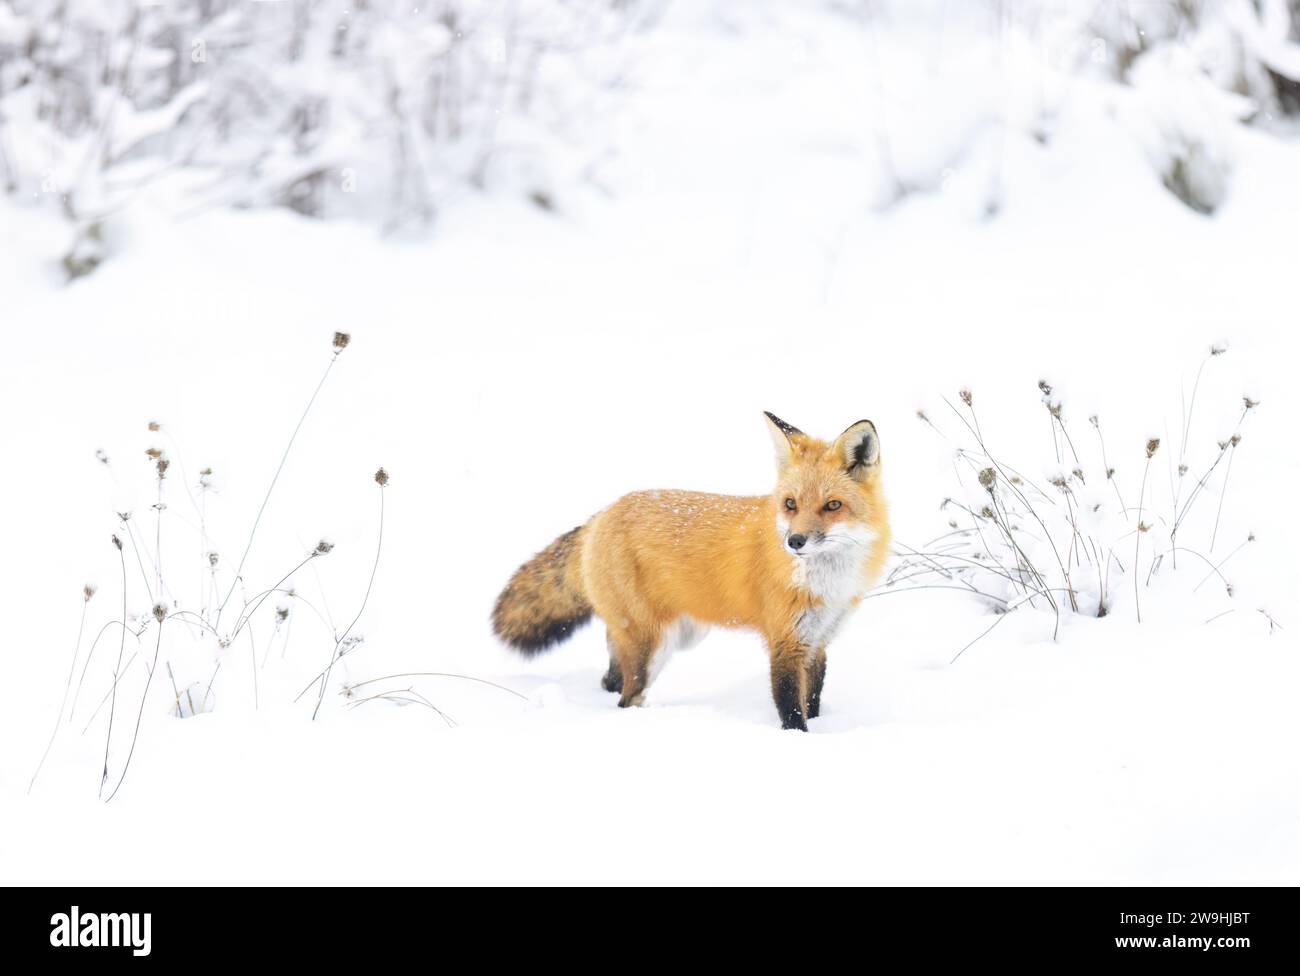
[[827, 495]]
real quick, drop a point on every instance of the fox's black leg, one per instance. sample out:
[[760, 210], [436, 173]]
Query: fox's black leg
[[613, 680], [790, 684], [816, 678]]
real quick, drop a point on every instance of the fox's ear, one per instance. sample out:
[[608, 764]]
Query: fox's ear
[[859, 449], [781, 433]]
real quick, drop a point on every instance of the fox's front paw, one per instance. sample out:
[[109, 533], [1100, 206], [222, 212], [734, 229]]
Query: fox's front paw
[[794, 720]]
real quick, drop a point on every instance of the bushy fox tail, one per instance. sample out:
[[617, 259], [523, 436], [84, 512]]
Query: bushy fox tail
[[544, 602]]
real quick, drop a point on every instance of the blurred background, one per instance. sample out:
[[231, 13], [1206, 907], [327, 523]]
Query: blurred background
[[392, 113]]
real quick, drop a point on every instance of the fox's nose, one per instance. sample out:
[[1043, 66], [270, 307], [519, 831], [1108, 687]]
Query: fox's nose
[[796, 542]]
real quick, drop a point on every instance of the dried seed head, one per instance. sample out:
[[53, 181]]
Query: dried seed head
[[155, 426], [1223, 445], [1218, 349], [1250, 404], [986, 512], [212, 559], [988, 478], [1093, 420], [952, 524], [1078, 473], [100, 456], [117, 542], [1250, 537], [1236, 439], [159, 612], [965, 396], [341, 340], [1046, 387], [1153, 445], [1230, 590], [381, 477], [944, 504], [322, 547], [1056, 481], [920, 415], [163, 465], [88, 591], [1110, 473], [281, 614], [124, 516], [1143, 527], [1055, 410], [1182, 470], [1015, 480], [154, 452]]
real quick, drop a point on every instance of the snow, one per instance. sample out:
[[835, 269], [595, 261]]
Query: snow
[[515, 372]]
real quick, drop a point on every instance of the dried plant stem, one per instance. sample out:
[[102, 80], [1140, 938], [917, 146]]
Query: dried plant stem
[[1123, 509], [260, 598], [252, 657], [117, 670], [1201, 482], [86, 665], [63, 703], [176, 693], [208, 691], [283, 458], [1137, 542], [396, 696], [975, 430], [139, 715], [1220, 564], [104, 701], [985, 633], [1214, 570], [334, 654], [135, 547], [439, 674], [157, 545], [1223, 493]]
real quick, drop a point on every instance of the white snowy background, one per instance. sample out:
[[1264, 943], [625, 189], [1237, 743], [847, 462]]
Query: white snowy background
[[579, 247]]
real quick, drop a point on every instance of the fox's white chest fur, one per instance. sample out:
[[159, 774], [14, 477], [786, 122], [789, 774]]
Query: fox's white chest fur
[[836, 575]]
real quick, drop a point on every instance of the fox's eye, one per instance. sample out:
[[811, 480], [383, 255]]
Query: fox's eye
[[789, 504], [832, 505]]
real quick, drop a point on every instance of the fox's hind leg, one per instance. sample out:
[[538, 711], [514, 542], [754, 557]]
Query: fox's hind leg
[[632, 651], [816, 678], [613, 680]]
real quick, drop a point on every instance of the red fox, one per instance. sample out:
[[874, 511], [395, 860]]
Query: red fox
[[661, 567]]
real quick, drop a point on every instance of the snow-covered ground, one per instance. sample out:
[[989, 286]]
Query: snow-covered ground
[[731, 253]]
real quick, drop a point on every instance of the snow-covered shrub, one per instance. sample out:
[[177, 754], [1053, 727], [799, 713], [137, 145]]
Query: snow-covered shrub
[[1072, 535], [328, 107], [1181, 75], [1196, 68]]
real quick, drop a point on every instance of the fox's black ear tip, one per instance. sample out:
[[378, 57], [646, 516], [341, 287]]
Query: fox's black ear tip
[[780, 424]]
